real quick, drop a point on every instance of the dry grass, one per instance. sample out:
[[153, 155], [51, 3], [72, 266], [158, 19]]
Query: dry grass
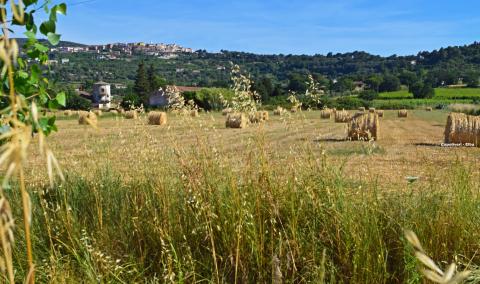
[[87, 118], [403, 113], [259, 116], [279, 111], [157, 118], [131, 114], [194, 113], [113, 111], [363, 126], [236, 120], [342, 116], [462, 128]]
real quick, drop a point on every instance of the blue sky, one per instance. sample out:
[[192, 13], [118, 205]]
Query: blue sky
[[267, 26]]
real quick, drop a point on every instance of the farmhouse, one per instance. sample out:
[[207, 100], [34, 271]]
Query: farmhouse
[[101, 96]]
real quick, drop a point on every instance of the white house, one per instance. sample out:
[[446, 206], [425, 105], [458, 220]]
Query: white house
[[102, 96]]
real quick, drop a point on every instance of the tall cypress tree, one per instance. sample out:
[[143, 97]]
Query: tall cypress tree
[[142, 86], [151, 79]]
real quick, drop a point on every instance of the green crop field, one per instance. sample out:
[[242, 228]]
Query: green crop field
[[440, 93]]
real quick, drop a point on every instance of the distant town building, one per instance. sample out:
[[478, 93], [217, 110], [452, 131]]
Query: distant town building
[[65, 60]]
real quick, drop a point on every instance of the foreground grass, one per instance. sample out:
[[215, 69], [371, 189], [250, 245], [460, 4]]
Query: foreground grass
[[196, 216]]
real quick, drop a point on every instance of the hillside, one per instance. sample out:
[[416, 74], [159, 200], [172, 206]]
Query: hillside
[[212, 69]]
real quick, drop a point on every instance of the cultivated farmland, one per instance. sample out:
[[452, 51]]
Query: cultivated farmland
[[287, 199]]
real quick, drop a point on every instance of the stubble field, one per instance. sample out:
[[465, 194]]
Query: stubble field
[[289, 201]]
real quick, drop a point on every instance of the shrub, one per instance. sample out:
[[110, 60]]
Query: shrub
[[349, 103], [76, 102], [368, 95]]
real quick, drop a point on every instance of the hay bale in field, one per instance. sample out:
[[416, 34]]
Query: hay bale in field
[[236, 120], [97, 112], [259, 116], [364, 126], [371, 110], [131, 114], [342, 116], [380, 113], [429, 109], [403, 113], [194, 113], [68, 112], [279, 111], [362, 109], [227, 111], [157, 118], [462, 128], [87, 117], [326, 113], [294, 110]]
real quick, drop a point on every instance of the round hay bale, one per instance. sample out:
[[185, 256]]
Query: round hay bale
[[342, 116], [85, 118], [157, 118], [227, 111], [403, 113], [429, 109], [131, 114], [371, 110], [326, 113], [364, 127], [68, 112], [380, 113], [362, 109], [236, 120], [462, 128], [97, 112]]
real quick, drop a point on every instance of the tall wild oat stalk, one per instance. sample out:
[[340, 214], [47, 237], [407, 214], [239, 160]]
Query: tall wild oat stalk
[[23, 91]]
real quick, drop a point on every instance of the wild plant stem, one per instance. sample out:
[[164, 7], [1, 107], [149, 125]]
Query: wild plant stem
[[26, 222]]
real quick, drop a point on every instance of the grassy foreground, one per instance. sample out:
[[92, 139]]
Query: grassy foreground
[[196, 213]]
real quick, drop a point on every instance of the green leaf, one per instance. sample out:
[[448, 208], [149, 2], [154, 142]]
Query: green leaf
[[40, 47], [61, 99], [29, 2], [62, 9], [22, 74], [30, 34], [54, 39], [47, 27]]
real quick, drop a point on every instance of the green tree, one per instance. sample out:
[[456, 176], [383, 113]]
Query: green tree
[[373, 82], [422, 90], [390, 83], [297, 83], [76, 102], [142, 86], [471, 79], [407, 78]]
